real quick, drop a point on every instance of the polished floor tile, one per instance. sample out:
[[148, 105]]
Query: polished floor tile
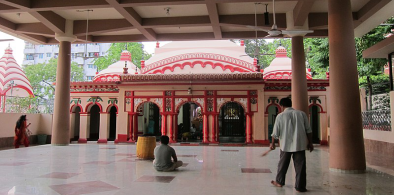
[[89, 169]]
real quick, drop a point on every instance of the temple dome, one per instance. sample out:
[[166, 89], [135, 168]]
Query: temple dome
[[113, 71], [199, 57], [12, 74], [280, 67]]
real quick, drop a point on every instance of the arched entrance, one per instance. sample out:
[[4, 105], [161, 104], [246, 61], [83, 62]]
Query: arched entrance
[[75, 122], [273, 111], [112, 123], [232, 123], [149, 119], [94, 123], [314, 111], [190, 123]]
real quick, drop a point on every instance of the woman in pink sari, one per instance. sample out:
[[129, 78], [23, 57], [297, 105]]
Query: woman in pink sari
[[21, 136]]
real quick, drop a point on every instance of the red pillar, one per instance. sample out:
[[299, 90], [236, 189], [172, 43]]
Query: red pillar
[[347, 151], [135, 134], [214, 128], [171, 128], [163, 124], [249, 128], [131, 126], [176, 127], [205, 129]]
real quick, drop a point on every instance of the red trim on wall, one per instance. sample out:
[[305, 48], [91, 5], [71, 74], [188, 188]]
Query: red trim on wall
[[263, 142], [72, 107], [87, 108]]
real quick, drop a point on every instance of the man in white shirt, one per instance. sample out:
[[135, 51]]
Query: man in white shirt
[[295, 136], [163, 154]]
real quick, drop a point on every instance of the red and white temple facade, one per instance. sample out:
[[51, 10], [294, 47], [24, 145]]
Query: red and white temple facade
[[209, 74], [13, 81]]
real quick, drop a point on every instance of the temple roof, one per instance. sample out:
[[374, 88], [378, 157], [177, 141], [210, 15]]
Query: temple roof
[[113, 71], [280, 67], [199, 57], [11, 74]]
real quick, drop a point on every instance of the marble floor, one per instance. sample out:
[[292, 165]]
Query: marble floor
[[217, 170]]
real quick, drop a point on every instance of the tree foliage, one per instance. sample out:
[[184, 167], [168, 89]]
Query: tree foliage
[[43, 75], [113, 54]]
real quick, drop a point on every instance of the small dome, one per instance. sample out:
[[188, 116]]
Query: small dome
[[13, 80], [113, 71], [280, 67]]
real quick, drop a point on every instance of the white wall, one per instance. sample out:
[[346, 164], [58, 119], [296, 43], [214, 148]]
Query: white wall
[[40, 123]]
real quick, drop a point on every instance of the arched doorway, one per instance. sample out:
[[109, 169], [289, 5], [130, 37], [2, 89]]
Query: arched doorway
[[273, 111], [112, 123], [232, 123], [314, 111], [190, 123], [149, 119], [75, 124], [94, 123]]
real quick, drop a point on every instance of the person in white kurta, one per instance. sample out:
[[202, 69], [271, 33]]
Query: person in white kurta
[[295, 136]]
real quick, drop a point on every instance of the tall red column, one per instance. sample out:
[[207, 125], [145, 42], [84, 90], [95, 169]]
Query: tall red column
[[214, 128], [176, 127], [61, 115], [299, 91], [164, 124], [131, 126], [205, 129], [347, 153], [135, 129], [249, 128], [171, 128]]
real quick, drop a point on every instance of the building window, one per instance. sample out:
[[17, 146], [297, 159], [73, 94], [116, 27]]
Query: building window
[[91, 66], [29, 57], [89, 78], [41, 55], [48, 55]]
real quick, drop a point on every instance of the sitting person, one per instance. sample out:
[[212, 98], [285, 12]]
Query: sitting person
[[163, 154], [186, 136]]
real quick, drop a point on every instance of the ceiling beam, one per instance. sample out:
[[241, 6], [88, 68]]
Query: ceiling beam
[[7, 25], [119, 38], [37, 39], [243, 20], [50, 19], [318, 21], [5, 8], [186, 36], [34, 28], [20, 4], [176, 21], [244, 35], [132, 16], [40, 5], [301, 11], [135, 3], [368, 10], [214, 17], [96, 26]]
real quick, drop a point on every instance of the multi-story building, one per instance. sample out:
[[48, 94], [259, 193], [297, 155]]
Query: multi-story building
[[35, 54]]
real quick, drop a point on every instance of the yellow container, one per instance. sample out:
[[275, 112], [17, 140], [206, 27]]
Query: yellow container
[[146, 147]]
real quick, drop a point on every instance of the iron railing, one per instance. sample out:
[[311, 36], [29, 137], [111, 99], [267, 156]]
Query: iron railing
[[379, 120]]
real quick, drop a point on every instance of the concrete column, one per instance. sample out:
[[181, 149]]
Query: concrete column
[[299, 91], [163, 124], [323, 129], [347, 153], [61, 115], [249, 128]]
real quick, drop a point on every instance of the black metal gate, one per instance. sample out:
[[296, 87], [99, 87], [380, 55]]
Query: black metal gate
[[314, 121], [232, 121]]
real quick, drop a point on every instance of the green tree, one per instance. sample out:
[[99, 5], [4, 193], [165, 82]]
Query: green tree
[[113, 54], [317, 56], [43, 75]]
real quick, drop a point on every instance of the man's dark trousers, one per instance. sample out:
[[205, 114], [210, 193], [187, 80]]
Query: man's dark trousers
[[299, 165]]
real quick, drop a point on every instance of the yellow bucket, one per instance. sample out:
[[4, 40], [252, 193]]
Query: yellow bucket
[[145, 147]]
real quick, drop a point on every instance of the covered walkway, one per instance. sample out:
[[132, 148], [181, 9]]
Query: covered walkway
[[114, 169]]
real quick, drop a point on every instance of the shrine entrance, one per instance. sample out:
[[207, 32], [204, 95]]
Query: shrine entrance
[[190, 123], [149, 119], [273, 111], [232, 123], [314, 111], [112, 123], [94, 123], [76, 123]]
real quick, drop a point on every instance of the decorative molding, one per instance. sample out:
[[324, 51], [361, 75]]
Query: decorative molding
[[210, 93], [178, 101], [128, 100], [168, 104], [107, 78], [94, 88], [198, 56], [188, 77], [158, 101], [76, 101], [137, 101], [253, 93], [200, 101], [243, 101], [220, 101], [210, 104], [113, 101], [253, 100], [128, 93], [95, 99], [168, 93]]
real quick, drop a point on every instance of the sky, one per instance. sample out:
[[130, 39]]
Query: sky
[[18, 46]]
